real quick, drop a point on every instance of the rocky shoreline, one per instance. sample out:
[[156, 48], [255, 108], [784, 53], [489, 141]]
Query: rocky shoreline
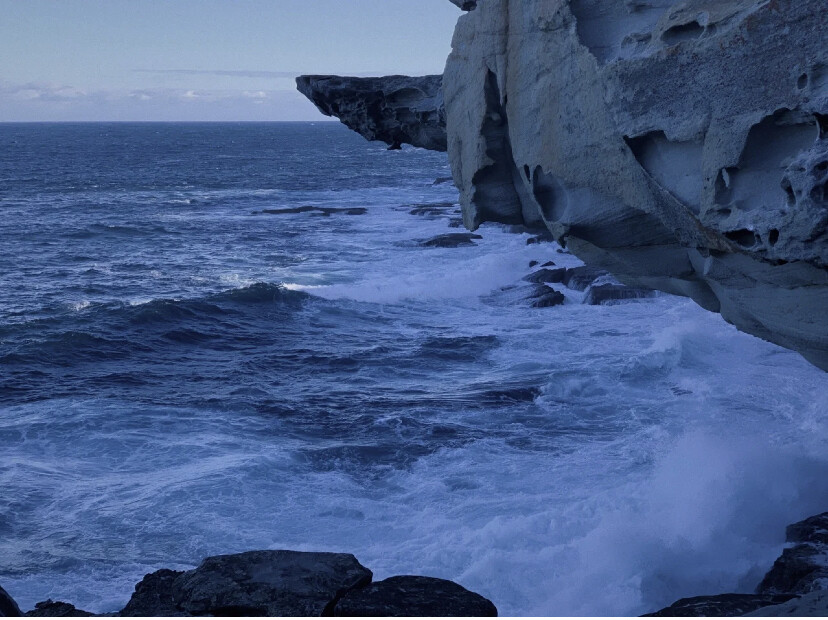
[[680, 145], [294, 583]]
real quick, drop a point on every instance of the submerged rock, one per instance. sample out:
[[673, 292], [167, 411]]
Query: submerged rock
[[580, 278], [8, 606], [601, 294], [722, 605], [57, 609], [394, 109], [414, 596], [255, 583], [324, 211], [451, 240]]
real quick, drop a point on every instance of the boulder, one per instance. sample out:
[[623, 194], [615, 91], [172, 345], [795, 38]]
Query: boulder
[[722, 605], [258, 583], [803, 567], [451, 240], [8, 606], [414, 596], [394, 109], [601, 294], [57, 609]]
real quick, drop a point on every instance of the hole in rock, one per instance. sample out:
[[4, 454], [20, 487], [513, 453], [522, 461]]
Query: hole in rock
[[773, 236], [744, 237], [684, 32], [802, 82]]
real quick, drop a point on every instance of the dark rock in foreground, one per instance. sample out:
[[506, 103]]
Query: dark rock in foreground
[[256, 583], [394, 109], [8, 606], [608, 293], [722, 605], [57, 609], [802, 568], [451, 240], [414, 596]]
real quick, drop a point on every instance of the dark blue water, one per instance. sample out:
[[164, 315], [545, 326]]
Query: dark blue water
[[184, 374]]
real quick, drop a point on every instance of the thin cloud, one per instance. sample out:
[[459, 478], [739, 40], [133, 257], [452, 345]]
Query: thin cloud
[[240, 73]]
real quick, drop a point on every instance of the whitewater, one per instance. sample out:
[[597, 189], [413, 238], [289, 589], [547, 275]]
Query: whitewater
[[183, 374]]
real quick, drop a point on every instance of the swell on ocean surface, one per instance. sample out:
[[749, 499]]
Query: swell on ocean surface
[[183, 375]]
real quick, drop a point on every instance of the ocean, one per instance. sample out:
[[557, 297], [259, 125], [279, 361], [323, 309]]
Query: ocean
[[192, 365]]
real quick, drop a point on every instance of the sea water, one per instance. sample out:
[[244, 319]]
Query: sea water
[[183, 374]]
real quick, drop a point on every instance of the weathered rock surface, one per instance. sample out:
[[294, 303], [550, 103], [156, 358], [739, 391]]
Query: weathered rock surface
[[8, 606], [414, 596], [546, 275], [258, 583], [57, 609], [678, 144], [803, 567], [813, 605], [722, 605], [393, 109]]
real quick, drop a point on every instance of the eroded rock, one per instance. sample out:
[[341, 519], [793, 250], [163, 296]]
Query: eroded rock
[[678, 144], [602, 294], [414, 596], [394, 109]]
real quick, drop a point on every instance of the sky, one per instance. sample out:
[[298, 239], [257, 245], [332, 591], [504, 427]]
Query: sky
[[203, 60]]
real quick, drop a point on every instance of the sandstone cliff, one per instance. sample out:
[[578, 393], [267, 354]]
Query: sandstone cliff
[[395, 109], [679, 144]]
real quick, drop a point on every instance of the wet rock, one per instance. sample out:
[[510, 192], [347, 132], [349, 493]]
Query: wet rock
[[803, 567], [546, 297], [8, 606], [323, 211], [255, 583], [451, 240], [155, 595], [394, 109], [414, 596], [813, 605], [57, 609], [554, 276], [541, 238], [441, 180], [432, 209], [579, 278], [608, 293], [722, 605], [533, 263]]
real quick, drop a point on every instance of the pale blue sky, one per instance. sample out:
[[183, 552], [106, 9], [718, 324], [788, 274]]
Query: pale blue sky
[[203, 59]]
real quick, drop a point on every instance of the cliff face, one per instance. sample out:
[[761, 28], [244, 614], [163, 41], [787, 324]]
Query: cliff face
[[395, 109], [680, 145]]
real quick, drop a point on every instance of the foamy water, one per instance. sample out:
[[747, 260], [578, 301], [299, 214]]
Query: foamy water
[[165, 399]]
